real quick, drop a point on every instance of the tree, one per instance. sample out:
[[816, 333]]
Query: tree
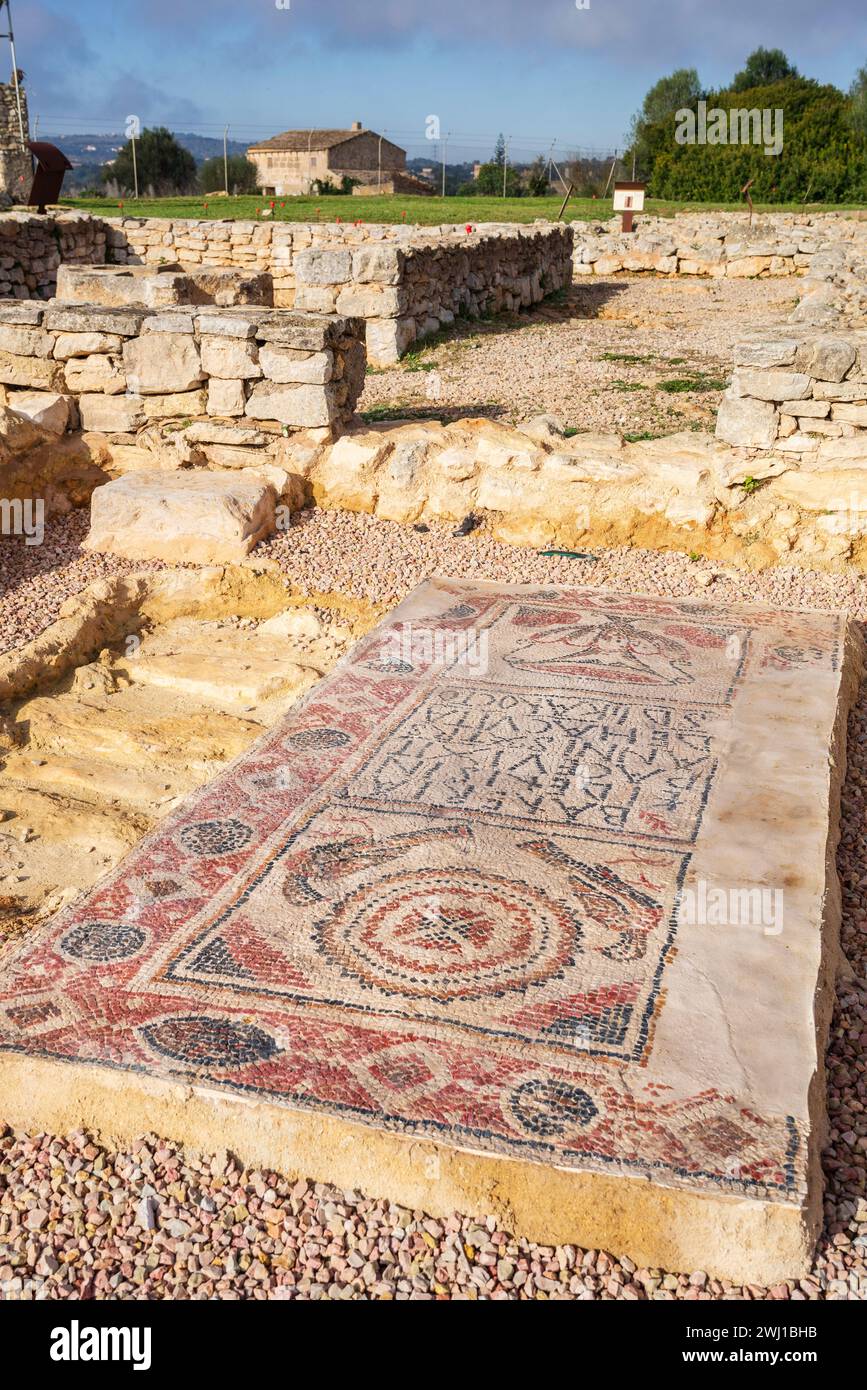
[[764, 66], [163, 166], [490, 182], [537, 177], [500, 151], [674, 93], [823, 159], [243, 176], [858, 98]]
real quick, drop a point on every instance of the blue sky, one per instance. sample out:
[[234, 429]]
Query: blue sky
[[539, 70]]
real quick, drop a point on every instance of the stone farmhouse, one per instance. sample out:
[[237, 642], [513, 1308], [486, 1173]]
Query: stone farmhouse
[[292, 162]]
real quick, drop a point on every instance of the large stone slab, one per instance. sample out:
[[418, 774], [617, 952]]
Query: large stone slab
[[529, 908], [206, 517]]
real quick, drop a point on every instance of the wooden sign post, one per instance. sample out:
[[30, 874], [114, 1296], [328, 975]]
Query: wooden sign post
[[628, 199]]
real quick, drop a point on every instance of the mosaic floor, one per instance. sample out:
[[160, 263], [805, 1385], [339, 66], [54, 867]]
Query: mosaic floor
[[449, 896]]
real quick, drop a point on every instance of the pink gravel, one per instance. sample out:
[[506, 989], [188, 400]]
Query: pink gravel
[[36, 580]]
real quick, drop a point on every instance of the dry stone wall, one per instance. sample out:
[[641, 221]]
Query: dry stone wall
[[409, 293], [16, 164], [32, 248], [799, 393], [719, 244], [212, 385]]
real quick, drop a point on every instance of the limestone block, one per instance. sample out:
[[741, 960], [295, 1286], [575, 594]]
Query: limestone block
[[227, 325], [46, 408], [822, 490], [745, 267], [302, 406], [847, 453], [840, 391], [161, 363], [285, 365], [771, 385], [25, 341], [810, 425], [41, 372], [231, 358], [382, 264], [830, 358], [68, 345], [766, 352], [817, 409], [86, 318], [110, 414], [26, 311], [170, 321], [850, 414], [388, 339], [226, 397], [371, 301], [208, 432], [98, 372], [346, 475], [179, 404], [315, 299], [323, 267], [201, 517], [743, 421], [797, 443]]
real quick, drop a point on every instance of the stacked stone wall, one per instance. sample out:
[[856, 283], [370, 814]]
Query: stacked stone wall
[[248, 377]]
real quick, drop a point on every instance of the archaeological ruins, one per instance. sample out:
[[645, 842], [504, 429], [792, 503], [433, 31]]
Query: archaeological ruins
[[501, 880]]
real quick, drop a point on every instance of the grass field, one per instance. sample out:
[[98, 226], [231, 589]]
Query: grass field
[[415, 210]]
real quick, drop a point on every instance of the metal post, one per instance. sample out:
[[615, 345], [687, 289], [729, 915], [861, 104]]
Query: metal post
[[610, 173], [11, 37], [225, 158], [134, 168], [505, 164], [445, 148]]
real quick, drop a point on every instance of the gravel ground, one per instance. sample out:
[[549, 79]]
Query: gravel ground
[[80, 1221], [380, 561], [36, 580], [553, 358]]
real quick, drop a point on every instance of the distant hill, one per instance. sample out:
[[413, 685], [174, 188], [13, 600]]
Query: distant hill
[[88, 153]]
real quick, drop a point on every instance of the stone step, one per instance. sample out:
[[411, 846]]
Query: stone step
[[138, 727], [99, 781], [234, 669]]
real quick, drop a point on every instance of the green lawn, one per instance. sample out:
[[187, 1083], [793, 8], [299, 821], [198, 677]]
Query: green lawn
[[417, 210]]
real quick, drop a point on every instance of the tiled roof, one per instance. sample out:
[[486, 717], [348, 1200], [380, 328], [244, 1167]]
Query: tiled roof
[[303, 140]]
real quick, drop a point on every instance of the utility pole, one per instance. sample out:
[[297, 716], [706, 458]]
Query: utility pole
[[505, 163], [445, 148], [226, 158], [134, 167], [379, 165], [11, 37], [610, 173]]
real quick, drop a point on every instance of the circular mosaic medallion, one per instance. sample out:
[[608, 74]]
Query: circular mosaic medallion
[[102, 941], [198, 1041], [214, 837], [318, 738], [389, 665], [448, 935], [548, 1109]]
